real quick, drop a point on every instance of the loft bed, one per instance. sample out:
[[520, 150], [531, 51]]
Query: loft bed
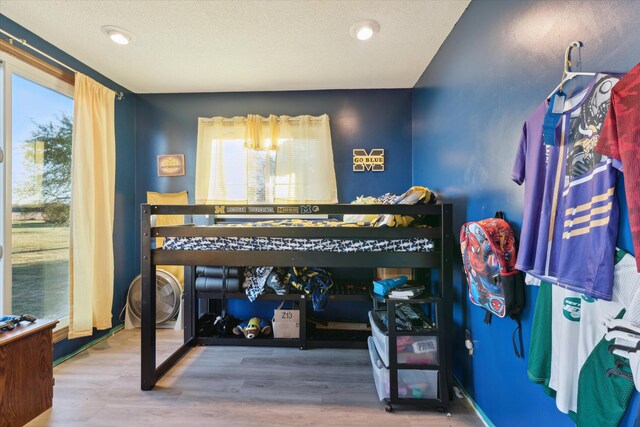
[[424, 247]]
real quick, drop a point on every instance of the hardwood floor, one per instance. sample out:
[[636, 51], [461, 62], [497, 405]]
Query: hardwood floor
[[228, 386]]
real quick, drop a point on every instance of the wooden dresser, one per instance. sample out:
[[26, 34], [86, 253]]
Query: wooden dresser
[[26, 372]]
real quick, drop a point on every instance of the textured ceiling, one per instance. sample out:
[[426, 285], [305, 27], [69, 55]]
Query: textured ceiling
[[245, 45]]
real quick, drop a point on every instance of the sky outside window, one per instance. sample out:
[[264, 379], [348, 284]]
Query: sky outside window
[[32, 103]]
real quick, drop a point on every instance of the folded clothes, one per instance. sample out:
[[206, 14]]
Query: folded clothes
[[216, 284], [217, 271]]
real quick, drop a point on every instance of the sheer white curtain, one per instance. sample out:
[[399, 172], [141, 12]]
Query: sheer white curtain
[[221, 161], [265, 160], [304, 161]]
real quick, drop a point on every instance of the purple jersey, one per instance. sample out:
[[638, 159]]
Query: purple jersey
[[570, 221]]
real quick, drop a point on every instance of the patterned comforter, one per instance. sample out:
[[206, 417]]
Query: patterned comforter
[[296, 244]]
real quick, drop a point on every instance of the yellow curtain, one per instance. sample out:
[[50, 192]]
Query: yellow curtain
[[180, 198], [230, 150], [92, 207], [221, 161], [304, 161], [261, 133]]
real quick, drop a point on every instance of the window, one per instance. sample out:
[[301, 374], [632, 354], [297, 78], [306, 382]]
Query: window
[[36, 124], [253, 177], [262, 176], [265, 160]]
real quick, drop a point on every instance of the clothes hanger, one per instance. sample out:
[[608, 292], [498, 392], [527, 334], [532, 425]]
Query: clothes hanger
[[622, 330], [624, 333], [567, 74], [619, 373], [621, 363], [632, 338], [621, 350], [633, 363], [625, 343], [623, 325]]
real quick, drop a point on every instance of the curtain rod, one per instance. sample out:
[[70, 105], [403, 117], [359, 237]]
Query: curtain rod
[[23, 42], [265, 119]]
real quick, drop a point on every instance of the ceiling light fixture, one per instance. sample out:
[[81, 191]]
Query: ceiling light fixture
[[117, 34], [364, 30]]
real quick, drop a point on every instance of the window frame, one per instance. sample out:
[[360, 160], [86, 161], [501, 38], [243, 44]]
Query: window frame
[[10, 65], [269, 194]]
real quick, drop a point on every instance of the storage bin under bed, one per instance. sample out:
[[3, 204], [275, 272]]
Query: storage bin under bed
[[412, 383], [414, 349]]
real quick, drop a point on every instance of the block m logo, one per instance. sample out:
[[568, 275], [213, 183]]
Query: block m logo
[[372, 161]]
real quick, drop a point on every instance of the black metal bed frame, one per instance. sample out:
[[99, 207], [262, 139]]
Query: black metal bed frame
[[439, 218]]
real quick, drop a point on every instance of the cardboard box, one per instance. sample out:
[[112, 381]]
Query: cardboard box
[[286, 323], [387, 273]]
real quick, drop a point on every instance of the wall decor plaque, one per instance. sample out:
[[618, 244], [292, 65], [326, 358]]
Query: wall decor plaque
[[171, 165], [371, 161]]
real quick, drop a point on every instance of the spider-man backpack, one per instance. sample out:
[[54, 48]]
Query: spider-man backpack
[[489, 257]]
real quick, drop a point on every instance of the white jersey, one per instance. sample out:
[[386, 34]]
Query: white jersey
[[566, 314], [628, 278], [578, 324]]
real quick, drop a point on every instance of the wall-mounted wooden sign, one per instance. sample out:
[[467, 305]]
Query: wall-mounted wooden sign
[[171, 165], [372, 161]]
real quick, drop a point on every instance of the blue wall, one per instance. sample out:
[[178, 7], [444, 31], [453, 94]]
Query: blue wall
[[501, 60], [168, 124], [125, 212]]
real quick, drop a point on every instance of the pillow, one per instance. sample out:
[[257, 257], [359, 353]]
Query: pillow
[[413, 196], [181, 198], [387, 199], [362, 200]]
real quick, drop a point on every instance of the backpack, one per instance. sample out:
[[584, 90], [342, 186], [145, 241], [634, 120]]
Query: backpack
[[489, 257]]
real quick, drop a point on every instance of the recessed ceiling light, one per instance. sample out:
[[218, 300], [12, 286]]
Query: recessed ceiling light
[[117, 34], [364, 30]]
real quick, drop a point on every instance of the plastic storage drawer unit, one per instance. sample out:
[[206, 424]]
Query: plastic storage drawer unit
[[412, 383], [415, 349]]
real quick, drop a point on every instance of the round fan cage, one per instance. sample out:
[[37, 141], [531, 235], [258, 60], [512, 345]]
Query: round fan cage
[[168, 292]]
